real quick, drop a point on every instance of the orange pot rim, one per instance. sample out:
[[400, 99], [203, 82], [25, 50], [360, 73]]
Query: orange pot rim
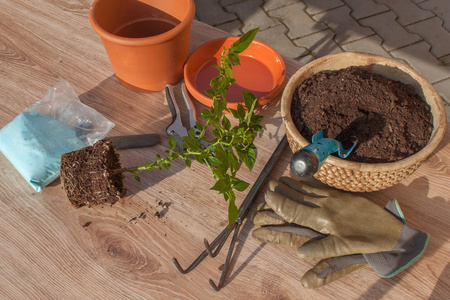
[[160, 38]]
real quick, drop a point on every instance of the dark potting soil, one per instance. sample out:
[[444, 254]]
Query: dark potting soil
[[87, 175], [387, 118]]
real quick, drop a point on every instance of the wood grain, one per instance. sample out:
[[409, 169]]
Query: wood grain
[[49, 249]]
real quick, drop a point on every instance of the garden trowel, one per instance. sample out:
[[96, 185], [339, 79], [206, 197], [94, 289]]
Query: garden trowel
[[308, 160]]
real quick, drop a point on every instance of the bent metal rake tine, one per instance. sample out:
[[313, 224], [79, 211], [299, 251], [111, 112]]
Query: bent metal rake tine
[[228, 259], [246, 204], [222, 242], [219, 239]]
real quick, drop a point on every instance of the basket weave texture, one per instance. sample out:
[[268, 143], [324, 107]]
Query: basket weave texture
[[363, 177]]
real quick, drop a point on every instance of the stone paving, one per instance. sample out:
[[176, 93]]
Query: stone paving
[[416, 32]]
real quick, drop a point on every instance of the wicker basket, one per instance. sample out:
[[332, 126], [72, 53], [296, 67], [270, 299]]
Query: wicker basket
[[366, 177]]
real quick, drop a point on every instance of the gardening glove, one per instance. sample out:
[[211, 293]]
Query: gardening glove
[[344, 230], [275, 229]]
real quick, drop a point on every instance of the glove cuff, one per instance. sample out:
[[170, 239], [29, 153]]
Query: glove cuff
[[409, 248]]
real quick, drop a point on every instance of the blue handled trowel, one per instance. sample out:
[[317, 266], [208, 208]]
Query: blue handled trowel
[[308, 160]]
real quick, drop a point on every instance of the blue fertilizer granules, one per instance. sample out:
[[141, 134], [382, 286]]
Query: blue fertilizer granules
[[34, 143]]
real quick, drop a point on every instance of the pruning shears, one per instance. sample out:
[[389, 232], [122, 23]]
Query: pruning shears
[[176, 127]]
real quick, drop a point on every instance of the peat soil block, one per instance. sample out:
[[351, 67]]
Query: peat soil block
[[88, 175]]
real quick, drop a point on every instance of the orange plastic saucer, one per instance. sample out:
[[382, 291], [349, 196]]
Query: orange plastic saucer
[[262, 72]]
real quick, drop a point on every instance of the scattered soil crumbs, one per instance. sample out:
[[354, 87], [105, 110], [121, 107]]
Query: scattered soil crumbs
[[87, 224], [87, 175], [163, 212], [142, 215], [387, 118]]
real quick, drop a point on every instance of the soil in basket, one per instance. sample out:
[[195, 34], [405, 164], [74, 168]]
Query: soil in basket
[[387, 118], [88, 175]]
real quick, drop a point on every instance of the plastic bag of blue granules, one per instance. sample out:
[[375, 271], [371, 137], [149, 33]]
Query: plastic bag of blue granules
[[35, 140]]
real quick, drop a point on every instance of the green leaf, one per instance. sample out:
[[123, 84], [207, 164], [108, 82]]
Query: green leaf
[[214, 161], [221, 155], [244, 41], [172, 142], [233, 162], [206, 114], [234, 59], [248, 157], [221, 186], [199, 158], [192, 133], [226, 123], [232, 212], [240, 185], [192, 143], [210, 93], [137, 178], [199, 126], [218, 132], [235, 113], [250, 101], [219, 172], [210, 149], [221, 105], [229, 74], [188, 162], [218, 82], [241, 112], [256, 119]]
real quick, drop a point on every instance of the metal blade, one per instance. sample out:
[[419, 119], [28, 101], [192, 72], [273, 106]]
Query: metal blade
[[176, 128]]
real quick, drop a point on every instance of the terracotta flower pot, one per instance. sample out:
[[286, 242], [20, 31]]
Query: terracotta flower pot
[[147, 41]]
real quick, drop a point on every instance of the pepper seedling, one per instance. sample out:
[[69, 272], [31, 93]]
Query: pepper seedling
[[231, 146]]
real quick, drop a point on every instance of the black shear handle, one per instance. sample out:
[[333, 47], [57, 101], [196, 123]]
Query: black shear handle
[[170, 101]]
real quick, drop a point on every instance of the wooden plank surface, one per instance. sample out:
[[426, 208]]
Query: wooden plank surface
[[126, 251]]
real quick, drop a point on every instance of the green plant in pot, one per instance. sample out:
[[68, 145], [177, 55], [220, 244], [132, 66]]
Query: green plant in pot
[[227, 150]]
